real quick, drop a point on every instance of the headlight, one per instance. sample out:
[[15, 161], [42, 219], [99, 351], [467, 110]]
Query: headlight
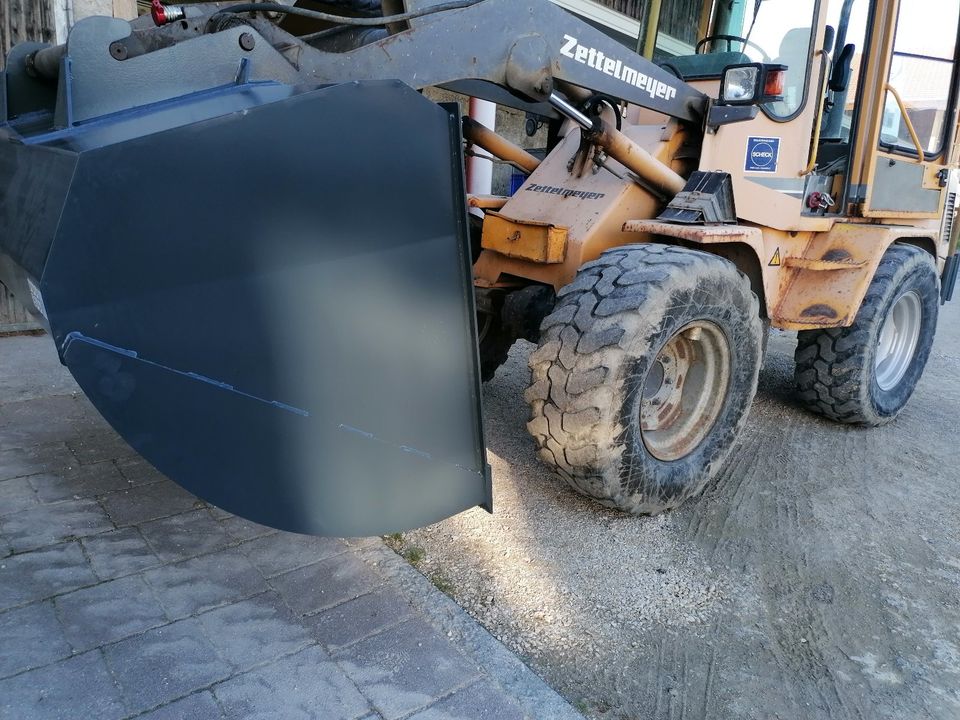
[[754, 83], [740, 84]]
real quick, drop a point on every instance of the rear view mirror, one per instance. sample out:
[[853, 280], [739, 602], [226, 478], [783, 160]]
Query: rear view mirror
[[842, 69]]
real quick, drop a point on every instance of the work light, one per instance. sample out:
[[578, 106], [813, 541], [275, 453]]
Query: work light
[[753, 83]]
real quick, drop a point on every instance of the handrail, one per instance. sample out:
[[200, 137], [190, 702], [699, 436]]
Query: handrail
[[903, 111], [825, 61]]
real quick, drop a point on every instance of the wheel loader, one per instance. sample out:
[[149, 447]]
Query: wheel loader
[[247, 229]]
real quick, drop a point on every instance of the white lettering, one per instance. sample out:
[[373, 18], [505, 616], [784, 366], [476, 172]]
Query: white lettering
[[593, 58]]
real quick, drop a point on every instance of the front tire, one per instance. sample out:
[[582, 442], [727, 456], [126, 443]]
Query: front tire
[[866, 373], [645, 374], [494, 339]]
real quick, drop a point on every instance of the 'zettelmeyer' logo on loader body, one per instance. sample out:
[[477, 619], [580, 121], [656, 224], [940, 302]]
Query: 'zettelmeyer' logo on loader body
[[591, 57], [565, 192]]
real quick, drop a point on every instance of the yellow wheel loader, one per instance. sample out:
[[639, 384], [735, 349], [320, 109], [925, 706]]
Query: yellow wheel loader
[[247, 229]]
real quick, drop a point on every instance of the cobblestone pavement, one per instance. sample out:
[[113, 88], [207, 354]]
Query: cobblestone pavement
[[122, 595]]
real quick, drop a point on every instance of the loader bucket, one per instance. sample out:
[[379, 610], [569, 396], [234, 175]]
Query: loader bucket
[[267, 293]]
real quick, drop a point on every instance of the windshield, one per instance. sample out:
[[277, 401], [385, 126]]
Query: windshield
[[776, 31]]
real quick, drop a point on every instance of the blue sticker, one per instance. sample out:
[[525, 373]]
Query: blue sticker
[[762, 154]]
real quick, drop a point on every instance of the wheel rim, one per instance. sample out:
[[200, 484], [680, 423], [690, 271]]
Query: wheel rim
[[684, 391], [898, 340]]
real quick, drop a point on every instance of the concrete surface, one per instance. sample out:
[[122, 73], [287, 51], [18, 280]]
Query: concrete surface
[[817, 577], [123, 596]]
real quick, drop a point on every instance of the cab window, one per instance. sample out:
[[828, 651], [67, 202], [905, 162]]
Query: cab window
[[921, 71], [849, 21], [780, 31], [768, 31]]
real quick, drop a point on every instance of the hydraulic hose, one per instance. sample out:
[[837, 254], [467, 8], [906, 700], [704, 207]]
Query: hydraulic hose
[[342, 20], [46, 63]]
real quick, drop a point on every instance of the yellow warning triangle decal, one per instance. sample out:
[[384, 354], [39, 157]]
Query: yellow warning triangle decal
[[776, 261]]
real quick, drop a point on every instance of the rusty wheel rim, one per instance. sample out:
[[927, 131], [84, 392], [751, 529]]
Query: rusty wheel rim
[[684, 391]]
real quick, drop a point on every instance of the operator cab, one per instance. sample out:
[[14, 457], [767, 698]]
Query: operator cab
[[777, 32], [821, 128]]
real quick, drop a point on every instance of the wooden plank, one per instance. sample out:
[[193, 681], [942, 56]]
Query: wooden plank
[[678, 18], [681, 19], [633, 8], [6, 40], [13, 318], [22, 20], [125, 9]]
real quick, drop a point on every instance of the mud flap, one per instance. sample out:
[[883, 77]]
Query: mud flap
[[274, 307]]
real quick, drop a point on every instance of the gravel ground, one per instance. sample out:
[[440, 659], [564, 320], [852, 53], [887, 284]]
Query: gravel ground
[[817, 577]]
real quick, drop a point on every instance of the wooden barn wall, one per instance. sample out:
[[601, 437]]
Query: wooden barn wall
[[678, 18], [25, 20], [633, 8], [13, 318], [21, 20]]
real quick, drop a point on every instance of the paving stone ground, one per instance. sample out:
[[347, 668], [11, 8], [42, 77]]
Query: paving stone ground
[[123, 596]]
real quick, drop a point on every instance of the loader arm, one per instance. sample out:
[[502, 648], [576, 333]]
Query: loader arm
[[525, 49], [252, 253]]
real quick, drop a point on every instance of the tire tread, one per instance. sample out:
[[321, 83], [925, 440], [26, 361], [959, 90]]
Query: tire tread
[[829, 374], [571, 396]]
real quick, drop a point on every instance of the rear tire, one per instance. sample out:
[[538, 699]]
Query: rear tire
[[866, 373], [644, 375]]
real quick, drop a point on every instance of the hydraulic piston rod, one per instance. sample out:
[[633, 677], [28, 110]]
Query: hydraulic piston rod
[[622, 149], [498, 146]]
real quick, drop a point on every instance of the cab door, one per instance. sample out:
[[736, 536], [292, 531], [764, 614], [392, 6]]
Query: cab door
[[908, 111]]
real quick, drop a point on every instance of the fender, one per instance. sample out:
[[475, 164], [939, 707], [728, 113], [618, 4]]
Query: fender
[[806, 281]]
